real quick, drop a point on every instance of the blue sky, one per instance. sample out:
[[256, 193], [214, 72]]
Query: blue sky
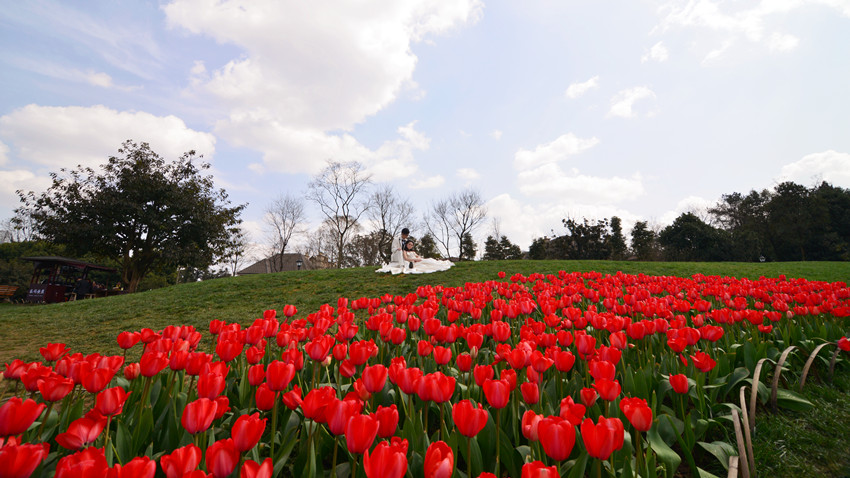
[[550, 109]]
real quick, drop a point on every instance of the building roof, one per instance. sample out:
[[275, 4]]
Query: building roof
[[278, 263]]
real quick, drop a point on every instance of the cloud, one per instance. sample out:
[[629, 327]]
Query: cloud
[[658, 53], [339, 62], [428, 183], [550, 181], [4, 153], [622, 103], [577, 89], [468, 174], [19, 179], [753, 24], [302, 150], [693, 204], [830, 166], [56, 137], [558, 150], [523, 222], [496, 134]]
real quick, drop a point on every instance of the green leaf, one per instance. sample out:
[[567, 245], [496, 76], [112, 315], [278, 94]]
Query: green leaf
[[721, 450], [578, 468], [664, 453], [792, 401]]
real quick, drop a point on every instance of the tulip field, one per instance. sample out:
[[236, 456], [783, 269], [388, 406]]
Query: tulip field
[[568, 374]]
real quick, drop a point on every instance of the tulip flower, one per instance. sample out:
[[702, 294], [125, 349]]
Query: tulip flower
[[127, 340], [360, 433], [110, 402], [210, 385], [557, 437], [55, 387], [292, 398], [588, 396], [21, 460], [247, 431], [530, 393], [16, 415], [387, 460], [439, 460], [603, 438], [387, 420], [54, 352], [88, 462], [608, 389], [181, 461], [374, 377], [529, 425], [638, 413], [221, 458], [198, 415], [279, 374], [138, 467], [315, 403], [251, 469], [537, 469], [703, 362], [151, 363], [467, 419], [497, 392], [571, 411], [679, 383], [339, 412]]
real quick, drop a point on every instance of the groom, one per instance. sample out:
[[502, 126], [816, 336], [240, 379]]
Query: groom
[[398, 246]]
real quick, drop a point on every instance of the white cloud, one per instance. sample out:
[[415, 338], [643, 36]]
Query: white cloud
[[558, 150], [658, 53], [781, 42], [693, 204], [468, 174], [830, 166], [577, 89], [622, 103], [19, 179], [338, 63], [67, 136], [4, 153], [428, 183], [496, 134], [550, 181]]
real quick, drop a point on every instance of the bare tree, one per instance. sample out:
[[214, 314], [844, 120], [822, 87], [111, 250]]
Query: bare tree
[[236, 250], [389, 213], [339, 192], [450, 219], [284, 217]]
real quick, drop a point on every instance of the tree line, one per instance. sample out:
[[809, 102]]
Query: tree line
[[788, 223]]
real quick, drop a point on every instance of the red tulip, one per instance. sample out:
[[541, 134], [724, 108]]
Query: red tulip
[[374, 377], [481, 373], [387, 460], [637, 412], [89, 462], [222, 403], [424, 348], [247, 431], [679, 382], [55, 387], [54, 352], [602, 439], [315, 403], [111, 401], [844, 344], [557, 437], [537, 469], [95, 380], [21, 460], [602, 369], [279, 374], [442, 355], [436, 387], [608, 389], [439, 460], [588, 396], [497, 392], [319, 348], [585, 345], [221, 458], [387, 420], [292, 398], [132, 371], [198, 415], [529, 426], [181, 461], [264, 397], [571, 411], [138, 467], [16, 416], [151, 363], [339, 412], [530, 392], [360, 433], [464, 362], [210, 385], [251, 469], [127, 340], [467, 419], [703, 362]]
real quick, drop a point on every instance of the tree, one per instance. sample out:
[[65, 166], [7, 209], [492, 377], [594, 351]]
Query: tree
[[643, 242], [586, 240], [468, 248], [745, 219], [500, 250], [139, 210], [235, 250], [450, 219], [339, 192], [617, 240], [428, 247], [691, 239], [389, 213], [283, 218], [790, 219]]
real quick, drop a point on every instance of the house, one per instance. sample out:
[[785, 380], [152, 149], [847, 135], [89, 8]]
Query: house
[[279, 263]]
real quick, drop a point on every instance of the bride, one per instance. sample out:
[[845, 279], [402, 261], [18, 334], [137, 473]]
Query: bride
[[413, 263]]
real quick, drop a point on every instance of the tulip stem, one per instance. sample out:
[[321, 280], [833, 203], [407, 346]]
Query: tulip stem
[[274, 428], [638, 453], [468, 456], [43, 422], [333, 465], [498, 434]]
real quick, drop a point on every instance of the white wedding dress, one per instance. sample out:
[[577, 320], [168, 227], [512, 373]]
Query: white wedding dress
[[424, 266]]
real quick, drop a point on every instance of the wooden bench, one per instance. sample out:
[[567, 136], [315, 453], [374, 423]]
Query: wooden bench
[[7, 291]]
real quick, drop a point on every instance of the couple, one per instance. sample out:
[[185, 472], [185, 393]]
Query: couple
[[405, 260]]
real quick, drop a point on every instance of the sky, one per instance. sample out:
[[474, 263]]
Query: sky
[[550, 109]]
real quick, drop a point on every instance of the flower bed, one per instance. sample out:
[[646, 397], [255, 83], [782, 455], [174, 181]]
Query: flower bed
[[569, 374]]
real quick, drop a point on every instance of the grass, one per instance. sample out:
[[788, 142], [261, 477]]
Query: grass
[[812, 443]]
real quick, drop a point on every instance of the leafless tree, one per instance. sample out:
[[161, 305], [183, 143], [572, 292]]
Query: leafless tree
[[388, 213], [450, 219], [284, 217], [236, 250], [340, 192]]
